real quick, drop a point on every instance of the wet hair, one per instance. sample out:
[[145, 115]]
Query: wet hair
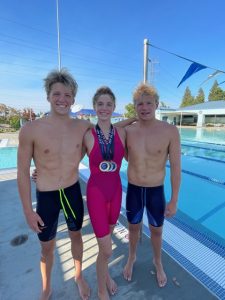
[[60, 76], [145, 90], [103, 90]]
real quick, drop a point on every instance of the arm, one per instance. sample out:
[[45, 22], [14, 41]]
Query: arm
[[125, 122], [175, 172], [84, 148], [25, 153], [86, 128], [88, 142], [126, 148], [126, 152]]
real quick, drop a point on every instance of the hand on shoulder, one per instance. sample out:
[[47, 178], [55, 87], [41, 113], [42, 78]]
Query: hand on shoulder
[[84, 125]]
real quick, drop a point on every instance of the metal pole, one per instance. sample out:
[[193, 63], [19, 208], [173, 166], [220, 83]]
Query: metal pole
[[58, 33], [145, 60], [180, 118]]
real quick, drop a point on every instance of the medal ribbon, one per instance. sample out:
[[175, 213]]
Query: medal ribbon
[[106, 146]]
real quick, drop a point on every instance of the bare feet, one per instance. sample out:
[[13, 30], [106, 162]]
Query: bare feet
[[45, 295], [83, 287], [160, 274], [103, 295], [111, 285], [128, 269]]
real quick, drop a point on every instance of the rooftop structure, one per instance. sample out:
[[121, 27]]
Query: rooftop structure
[[210, 113]]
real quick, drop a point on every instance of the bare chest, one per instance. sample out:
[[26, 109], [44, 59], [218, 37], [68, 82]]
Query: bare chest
[[148, 144], [53, 142]]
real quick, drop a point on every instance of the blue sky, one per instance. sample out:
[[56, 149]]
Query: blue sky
[[102, 44]]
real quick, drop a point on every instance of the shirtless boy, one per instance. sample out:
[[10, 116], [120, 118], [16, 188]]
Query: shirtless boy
[[55, 144], [150, 142]]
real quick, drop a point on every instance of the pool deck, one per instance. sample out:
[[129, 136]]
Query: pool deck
[[10, 137], [19, 265]]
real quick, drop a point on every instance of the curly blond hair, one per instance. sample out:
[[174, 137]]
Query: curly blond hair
[[145, 89]]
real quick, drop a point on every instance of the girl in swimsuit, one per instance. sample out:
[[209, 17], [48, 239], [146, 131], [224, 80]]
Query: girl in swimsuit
[[105, 147]]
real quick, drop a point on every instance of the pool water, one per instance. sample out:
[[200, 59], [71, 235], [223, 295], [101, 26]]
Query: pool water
[[207, 135], [8, 158]]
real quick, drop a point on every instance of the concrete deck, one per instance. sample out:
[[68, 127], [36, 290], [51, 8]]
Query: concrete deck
[[19, 265]]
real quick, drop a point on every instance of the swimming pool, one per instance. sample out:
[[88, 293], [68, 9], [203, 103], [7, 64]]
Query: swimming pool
[[207, 135], [8, 158]]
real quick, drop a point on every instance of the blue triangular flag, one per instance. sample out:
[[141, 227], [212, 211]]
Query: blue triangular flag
[[194, 67]]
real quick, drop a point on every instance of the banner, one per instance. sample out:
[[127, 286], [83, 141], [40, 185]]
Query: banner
[[194, 68]]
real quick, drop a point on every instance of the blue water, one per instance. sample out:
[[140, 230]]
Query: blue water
[[8, 157], [207, 135]]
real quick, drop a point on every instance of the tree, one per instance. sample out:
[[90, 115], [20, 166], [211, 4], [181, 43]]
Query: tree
[[28, 114], [187, 99], [3, 109], [216, 93], [6, 112], [13, 112], [200, 98], [14, 122], [130, 111]]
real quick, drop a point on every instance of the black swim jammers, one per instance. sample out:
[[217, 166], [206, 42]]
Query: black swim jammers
[[49, 205], [151, 198]]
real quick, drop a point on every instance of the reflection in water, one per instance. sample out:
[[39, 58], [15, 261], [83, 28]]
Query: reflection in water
[[207, 135]]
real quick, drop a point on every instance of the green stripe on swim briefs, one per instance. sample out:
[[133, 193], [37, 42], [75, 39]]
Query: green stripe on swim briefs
[[69, 204], [64, 210]]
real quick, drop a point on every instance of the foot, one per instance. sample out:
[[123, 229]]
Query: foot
[[128, 269], [83, 287], [45, 295], [103, 295], [111, 285], [160, 274]]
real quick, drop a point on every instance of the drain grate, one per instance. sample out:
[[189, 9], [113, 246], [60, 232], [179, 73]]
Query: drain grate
[[19, 240]]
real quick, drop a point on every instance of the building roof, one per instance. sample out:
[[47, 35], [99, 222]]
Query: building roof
[[91, 113], [206, 105], [165, 109]]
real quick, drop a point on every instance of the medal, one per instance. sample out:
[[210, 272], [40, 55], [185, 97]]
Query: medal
[[107, 166], [104, 166], [113, 166], [107, 150]]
